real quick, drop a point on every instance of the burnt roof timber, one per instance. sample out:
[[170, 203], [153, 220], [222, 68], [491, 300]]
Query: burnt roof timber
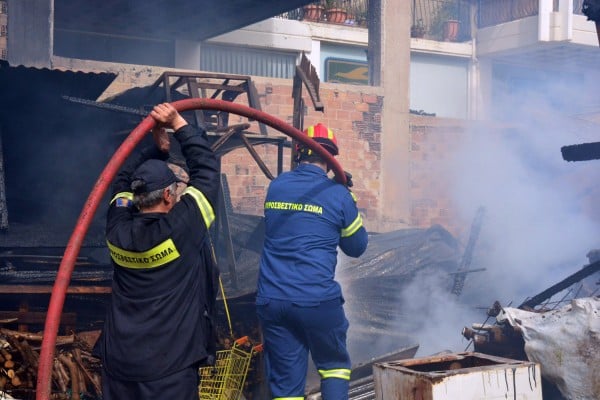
[[562, 285]]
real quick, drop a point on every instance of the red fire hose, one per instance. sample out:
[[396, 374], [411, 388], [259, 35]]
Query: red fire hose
[[65, 270]]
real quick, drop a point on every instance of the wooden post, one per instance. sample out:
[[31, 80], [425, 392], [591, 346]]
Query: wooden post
[[23, 308]]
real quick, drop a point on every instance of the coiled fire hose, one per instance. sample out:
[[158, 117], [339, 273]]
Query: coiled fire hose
[[65, 270]]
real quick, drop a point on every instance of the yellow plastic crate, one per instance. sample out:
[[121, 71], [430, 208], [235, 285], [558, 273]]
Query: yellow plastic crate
[[225, 380]]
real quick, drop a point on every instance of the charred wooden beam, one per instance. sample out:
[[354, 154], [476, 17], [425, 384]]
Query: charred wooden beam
[[44, 289], [37, 317], [75, 372], [464, 267], [305, 74], [565, 283], [308, 75], [106, 106], [35, 337]]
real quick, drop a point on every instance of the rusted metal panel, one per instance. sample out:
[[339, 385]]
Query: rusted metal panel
[[462, 376]]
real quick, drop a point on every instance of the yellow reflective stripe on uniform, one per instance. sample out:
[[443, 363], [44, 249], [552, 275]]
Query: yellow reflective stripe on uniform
[[288, 398], [353, 227], [159, 255], [204, 205], [127, 195], [335, 373]]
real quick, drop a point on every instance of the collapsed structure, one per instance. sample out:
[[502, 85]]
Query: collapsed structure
[[32, 246]]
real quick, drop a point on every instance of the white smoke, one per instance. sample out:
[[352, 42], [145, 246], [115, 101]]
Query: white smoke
[[541, 211], [542, 214]]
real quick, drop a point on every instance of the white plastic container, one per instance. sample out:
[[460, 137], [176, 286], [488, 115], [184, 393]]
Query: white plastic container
[[459, 376]]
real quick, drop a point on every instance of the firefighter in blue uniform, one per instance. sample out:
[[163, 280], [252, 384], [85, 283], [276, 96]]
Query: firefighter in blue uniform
[[158, 327], [299, 303]]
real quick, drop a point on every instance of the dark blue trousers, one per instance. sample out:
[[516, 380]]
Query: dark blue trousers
[[293, 329], [182, 385]]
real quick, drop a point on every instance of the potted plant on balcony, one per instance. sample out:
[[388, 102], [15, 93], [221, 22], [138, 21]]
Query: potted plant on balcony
[[335, 12], [445, 24], [313, 12], [417, 30], [360, 10]]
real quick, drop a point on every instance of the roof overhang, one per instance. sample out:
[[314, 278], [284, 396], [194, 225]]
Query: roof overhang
[[166, 19], [26, 91]]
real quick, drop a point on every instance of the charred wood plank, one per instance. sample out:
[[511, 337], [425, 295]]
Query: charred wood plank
[[464, 267], [106, 106], [44, 289], [73, 374], [87, 375], [62, 378], [308, 74], [35, 337], [36, 317], [565, 283]]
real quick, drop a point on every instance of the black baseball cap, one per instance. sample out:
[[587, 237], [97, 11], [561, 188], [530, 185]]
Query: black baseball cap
[[155, 174]]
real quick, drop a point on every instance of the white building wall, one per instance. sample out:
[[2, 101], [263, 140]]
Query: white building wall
[[439, 85]]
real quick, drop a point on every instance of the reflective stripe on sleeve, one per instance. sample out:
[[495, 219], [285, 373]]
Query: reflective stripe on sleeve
[[335, 373], [126, 195], [206, 209], [288, 398], [353, 227], [161, 254]]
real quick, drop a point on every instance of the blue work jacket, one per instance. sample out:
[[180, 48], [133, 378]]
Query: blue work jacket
[[307, 217]]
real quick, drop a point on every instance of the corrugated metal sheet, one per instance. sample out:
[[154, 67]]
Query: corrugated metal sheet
[[19, 81], [362, 389], [52, 145], [361, 384], [247, 61]]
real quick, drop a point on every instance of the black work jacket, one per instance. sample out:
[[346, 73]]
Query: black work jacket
[[164, 283]]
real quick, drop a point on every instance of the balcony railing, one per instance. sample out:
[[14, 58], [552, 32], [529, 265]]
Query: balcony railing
[[494, 12], [577, 6], [444, 20], [345, 12], [431, 19]]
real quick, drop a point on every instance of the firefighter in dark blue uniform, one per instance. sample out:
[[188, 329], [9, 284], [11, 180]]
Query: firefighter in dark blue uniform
[[158, 328], [299, 303]]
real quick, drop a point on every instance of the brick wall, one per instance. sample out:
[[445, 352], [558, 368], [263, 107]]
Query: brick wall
[[3, 30], [432, 142], [354, 113]]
